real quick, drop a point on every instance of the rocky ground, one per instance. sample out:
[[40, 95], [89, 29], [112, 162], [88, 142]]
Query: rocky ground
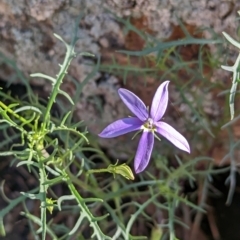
[[26, 32]]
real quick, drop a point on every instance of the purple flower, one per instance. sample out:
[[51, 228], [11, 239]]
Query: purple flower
[[148, 121]]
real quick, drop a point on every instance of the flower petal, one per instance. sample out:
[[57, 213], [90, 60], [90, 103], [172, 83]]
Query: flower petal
[[173, 136], [160, 102], [121, 127], [144, 151], [134, 104]]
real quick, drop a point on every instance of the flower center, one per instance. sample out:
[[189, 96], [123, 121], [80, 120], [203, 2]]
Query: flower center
[[149, 124]]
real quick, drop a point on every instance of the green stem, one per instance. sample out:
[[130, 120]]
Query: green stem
[[42, 191], [101, 170], [9, 110], [171, 218], [63, 71], [85, 211]]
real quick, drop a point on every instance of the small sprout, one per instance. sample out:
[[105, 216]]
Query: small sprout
[[50, 204], [122, 169]]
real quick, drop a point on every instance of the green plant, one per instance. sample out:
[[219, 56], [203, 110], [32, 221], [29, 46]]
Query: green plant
[[102, 197]]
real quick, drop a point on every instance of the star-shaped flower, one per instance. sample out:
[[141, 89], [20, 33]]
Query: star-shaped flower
[[148, 121]]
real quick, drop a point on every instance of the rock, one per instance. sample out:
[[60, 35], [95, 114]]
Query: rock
[[26, 33]]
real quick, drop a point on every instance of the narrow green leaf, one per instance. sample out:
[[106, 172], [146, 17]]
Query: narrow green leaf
[[41, 75], [231, 40], [67, 96]]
